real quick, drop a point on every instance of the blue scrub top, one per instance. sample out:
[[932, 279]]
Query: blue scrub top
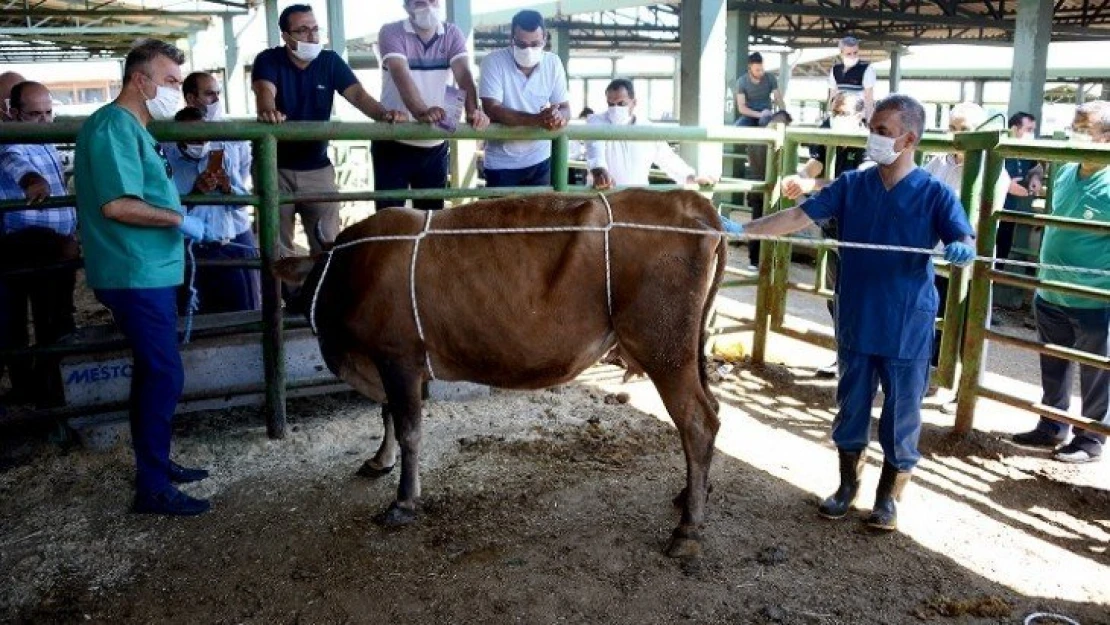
[[886, 301], [304, 95]]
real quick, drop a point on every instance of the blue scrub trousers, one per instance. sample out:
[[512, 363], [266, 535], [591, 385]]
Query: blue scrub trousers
[[148, 320], [904, 383]]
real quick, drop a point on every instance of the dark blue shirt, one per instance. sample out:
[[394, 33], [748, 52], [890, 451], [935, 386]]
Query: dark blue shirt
[[304, 95], [886, 301], [1019, 168]]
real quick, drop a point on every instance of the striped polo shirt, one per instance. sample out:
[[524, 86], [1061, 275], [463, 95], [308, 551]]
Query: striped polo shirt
[[429, 63]]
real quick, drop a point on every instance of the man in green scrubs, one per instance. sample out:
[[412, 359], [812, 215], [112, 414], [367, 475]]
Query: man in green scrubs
[[132, 227]]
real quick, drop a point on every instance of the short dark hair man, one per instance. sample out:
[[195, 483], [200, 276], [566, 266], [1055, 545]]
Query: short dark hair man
[[132, 224], [1026, 181], [297, 82], [756, 93], [523, 85], [886, 300]]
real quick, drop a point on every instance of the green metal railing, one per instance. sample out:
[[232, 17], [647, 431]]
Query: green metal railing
[[978, 330], [268, 198], [983, 152]]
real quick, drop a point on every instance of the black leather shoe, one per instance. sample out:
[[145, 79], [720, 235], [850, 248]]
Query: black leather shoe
[[185, 475], [170, 502], [1036, 438], [884, 516], [827, 372], [838, 504]]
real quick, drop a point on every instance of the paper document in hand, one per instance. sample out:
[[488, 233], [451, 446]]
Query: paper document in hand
[[454, 101]]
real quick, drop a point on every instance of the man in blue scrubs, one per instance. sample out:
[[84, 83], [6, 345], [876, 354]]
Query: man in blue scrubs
[[886, 301]]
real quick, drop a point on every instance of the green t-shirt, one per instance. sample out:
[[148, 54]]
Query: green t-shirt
[[1078, 198], [116, 157]]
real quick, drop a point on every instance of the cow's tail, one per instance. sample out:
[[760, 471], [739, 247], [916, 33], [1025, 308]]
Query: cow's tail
[[707, 310]]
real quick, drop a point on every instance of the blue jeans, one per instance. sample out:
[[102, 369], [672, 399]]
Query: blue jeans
[[538, 175], [1084, 329], [904, 384], [224, 289], [148, 320]]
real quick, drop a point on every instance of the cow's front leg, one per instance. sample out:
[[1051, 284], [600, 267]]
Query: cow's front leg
[[403, 391], [386, 456]]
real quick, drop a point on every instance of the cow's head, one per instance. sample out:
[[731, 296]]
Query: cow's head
[[295, 270]]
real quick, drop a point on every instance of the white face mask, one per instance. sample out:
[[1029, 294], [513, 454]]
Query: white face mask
[[213, 112], [881, 149], [426, 18], [307, 51], [850, 62], [165, 103], [844, 123], [1082, 137], [527, 57], [620, 115]]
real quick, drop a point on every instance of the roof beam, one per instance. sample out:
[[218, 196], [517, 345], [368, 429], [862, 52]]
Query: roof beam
[[864, 15], [32, 12], [121, 29]]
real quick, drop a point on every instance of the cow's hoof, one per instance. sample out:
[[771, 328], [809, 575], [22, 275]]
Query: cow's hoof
[[684, 547], [372, 471], [396, 516]]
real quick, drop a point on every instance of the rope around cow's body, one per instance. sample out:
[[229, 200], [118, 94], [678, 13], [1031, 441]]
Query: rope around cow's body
[[607, 229]]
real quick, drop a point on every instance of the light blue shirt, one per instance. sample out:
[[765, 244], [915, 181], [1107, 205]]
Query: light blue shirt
[[503, 81], [220, 222]]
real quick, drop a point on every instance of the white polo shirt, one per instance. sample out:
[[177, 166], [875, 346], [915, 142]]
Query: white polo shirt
[[628, 162], [503, 81]]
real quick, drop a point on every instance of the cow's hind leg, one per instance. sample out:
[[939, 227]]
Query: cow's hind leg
[[694, 414], [386, 456], [402, 387]]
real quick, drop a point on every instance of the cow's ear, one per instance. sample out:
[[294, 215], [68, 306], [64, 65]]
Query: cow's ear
[[295, 270]]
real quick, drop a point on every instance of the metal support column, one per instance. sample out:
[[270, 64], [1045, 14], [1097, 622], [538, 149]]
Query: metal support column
[[1080, 93], [234, 87], [738, 31], [273, 31], [703, 64], [560, 45], [980, 87], [895, 69], [1031, 39], [784, 74], [464, 170], [337, 33]]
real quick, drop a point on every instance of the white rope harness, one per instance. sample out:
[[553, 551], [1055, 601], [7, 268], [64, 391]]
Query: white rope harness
[[609, 227]]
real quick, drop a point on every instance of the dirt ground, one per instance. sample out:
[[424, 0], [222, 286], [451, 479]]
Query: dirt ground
[[554, 507]]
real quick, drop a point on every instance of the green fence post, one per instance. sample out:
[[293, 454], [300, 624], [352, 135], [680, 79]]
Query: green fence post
[[273, 340], [764, 295], [560, 156], [979, 303], [955, 310]]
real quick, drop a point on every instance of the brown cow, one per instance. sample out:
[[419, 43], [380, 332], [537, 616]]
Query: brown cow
[[524, 311]]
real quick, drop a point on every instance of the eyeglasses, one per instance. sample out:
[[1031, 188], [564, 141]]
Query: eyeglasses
[[305, 31], [525, 45]]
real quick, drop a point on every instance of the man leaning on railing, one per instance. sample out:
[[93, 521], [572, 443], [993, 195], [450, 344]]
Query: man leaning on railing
[[35, 238], [1079, 191]]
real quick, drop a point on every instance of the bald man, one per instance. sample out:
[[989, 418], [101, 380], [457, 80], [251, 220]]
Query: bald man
[[7, 81], [33, 173]]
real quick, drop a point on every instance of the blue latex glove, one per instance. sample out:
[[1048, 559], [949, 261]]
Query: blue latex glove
[[959, 254], [731, 227], [192, 227]]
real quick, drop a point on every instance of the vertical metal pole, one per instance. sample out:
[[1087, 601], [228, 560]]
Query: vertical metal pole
[[896, 69], [560, 151], [337, 31], [778, 159], [1031, 39], [233, 79], [979, 310], [955, 310], [273, 340], [702, 30], [273, 31]]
